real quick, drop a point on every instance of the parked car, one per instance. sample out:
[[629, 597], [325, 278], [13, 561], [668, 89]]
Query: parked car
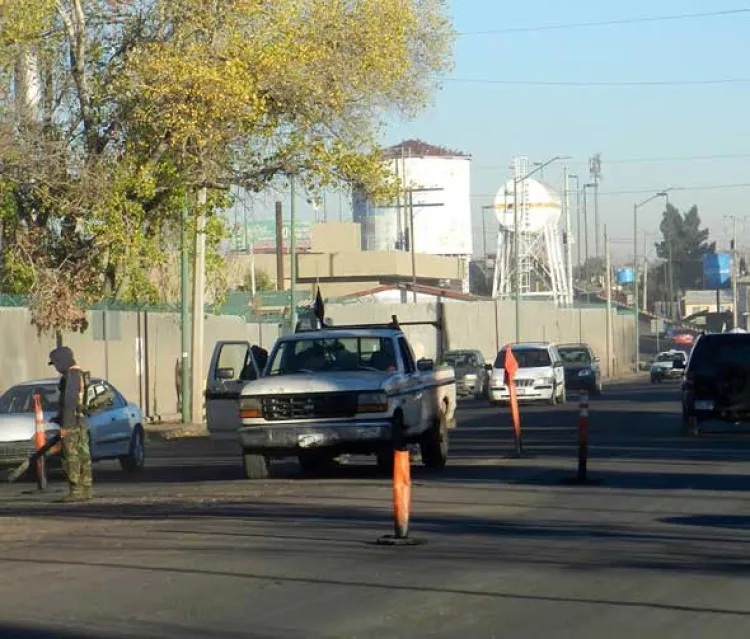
[[329, 392], [115, 425], [540, 376], [582, 368], [472, 373], [662, 366], [716, 382]]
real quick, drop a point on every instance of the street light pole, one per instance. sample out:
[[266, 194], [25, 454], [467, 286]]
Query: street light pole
[[636, 311], [516, 257]]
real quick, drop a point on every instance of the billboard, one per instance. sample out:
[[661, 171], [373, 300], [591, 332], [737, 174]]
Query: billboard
[[261, 234], [624, 276], [717, 270]]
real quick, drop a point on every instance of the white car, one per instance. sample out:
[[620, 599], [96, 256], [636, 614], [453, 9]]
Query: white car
[[540, 376], [662, 366], [115, 425]]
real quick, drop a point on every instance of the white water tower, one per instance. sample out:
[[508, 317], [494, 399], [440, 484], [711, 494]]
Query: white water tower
[[541, 258]]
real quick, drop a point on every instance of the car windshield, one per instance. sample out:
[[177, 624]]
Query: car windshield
[[458, 358], [667, 357], [20, 399], [341, 354], [574, 355], [713, 352], [526, 358]]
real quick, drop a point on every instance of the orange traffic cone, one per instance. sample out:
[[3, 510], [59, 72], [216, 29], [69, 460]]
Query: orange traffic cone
[[40, 439]]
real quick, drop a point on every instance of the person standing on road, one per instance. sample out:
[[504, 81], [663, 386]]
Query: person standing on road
[[71, 418]]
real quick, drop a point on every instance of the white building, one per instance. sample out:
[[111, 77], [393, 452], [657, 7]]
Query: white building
[[438, 182]]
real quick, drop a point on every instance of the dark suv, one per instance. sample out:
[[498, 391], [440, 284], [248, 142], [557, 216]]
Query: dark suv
[[716, 385]]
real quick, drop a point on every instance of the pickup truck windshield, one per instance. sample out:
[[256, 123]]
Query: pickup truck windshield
[[344, 354], [526, 358]]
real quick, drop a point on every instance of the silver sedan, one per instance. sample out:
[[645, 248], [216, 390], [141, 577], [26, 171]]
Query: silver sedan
[[115, 425]]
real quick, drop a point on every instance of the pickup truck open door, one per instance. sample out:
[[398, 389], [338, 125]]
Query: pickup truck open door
[[232, 366]]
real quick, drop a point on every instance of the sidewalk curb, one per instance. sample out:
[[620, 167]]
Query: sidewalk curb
[[169, 431]]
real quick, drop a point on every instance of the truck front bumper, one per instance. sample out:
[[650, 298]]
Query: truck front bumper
[[289, 439]]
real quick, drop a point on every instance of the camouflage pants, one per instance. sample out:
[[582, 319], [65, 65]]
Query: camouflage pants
[[77, 459]]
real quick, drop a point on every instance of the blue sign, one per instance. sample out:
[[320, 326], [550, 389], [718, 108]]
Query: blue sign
[[717, 270], [625, 276]]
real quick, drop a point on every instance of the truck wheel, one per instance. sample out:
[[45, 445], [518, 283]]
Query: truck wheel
[[255, 466], [434, 444]]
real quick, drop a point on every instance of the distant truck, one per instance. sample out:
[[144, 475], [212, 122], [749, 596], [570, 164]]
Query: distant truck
[[328, 392]]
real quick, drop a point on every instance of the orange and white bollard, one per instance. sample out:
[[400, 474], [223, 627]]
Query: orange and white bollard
[[583, 437], [401, 495], [40, 439]]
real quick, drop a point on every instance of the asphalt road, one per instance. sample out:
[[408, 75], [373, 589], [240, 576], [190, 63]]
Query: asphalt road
[[656, 546]]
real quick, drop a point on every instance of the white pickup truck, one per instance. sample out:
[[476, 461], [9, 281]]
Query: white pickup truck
[[329, 392]]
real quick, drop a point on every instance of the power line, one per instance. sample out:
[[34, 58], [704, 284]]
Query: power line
[[656, 159], [608, 23], [654, 189], [601, 83]]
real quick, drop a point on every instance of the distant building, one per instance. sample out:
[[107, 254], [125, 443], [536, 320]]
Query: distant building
[[440, 204], [705, 301]]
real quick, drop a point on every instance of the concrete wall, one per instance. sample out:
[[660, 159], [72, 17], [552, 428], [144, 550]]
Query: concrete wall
[[483, 325], [24, 355]]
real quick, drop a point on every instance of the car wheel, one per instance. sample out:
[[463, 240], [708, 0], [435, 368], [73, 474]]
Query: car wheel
[[136, 458], [553, 398], [254, 466], [434, 444], [690, 425]]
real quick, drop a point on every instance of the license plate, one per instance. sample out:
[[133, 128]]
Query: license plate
[[309, 439], [704, 404], [520, 391]]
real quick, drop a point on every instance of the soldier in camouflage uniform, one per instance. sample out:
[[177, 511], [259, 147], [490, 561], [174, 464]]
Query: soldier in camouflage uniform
[[73, 427]]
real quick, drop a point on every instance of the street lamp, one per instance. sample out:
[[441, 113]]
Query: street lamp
[[636, 312], [517, 261]]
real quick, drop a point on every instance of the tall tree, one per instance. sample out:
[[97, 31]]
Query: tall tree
[[147, 101], [683, 245]]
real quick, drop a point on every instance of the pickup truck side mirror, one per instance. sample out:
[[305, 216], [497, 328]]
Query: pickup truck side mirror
[[488, 367], [224, 373], [678, 363], [424, 365]]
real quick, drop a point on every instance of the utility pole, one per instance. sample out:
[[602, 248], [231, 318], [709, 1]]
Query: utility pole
[[735, 271], [608, 277], [568, 255], [636, 312], [645, 285], [292, 256], [595, 168], [185, 375], [199, 286], [412, 248]]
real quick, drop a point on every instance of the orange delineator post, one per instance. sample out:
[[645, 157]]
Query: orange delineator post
[[40, 439], [511, 367], [401, 493], [583, 436]]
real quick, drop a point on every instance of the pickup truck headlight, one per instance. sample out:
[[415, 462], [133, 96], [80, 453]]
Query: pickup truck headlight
[[545, 381], [372, 403], [250, 408]]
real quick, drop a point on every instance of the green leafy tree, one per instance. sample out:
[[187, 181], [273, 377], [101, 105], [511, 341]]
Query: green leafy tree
[[683, 245], [131, 107]]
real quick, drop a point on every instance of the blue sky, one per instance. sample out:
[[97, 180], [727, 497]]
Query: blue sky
[[645, 133]]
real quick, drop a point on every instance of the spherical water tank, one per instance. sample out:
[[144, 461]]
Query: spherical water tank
[[543, 204]]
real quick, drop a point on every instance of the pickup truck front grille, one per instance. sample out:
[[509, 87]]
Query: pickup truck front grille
[[316, 406]]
